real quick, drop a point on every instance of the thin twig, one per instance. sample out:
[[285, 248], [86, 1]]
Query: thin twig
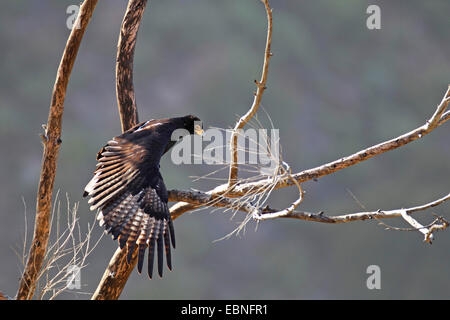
[[67, 251]]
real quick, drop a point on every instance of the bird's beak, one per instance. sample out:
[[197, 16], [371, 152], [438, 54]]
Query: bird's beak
[[198, 130]]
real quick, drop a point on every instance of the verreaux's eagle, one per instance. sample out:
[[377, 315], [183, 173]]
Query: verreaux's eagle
[[129, 191]]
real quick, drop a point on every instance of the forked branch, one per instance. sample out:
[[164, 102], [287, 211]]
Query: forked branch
[[191, 201]]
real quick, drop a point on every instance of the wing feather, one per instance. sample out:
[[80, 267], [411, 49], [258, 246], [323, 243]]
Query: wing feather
[[151, 252], [128, 190], [160, 245], [167, 245]]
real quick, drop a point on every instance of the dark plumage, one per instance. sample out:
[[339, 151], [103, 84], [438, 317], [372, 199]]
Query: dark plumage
[[129, 191]]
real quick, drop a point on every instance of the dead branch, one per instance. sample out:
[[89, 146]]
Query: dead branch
[[361, 216], [438, 118], [118, 270], [52, 141], [260, 87], [200, 199], [126, 100]]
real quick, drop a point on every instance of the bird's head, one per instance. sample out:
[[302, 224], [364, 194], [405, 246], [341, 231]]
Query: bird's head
[[193, 124]]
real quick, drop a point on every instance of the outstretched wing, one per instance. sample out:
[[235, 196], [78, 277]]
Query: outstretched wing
[[128, 189]]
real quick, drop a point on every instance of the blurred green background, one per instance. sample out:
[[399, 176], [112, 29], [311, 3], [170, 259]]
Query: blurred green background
[[334, 88]]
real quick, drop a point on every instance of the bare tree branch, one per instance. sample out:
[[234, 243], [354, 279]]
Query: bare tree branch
[[118, 270], [439, 118], [199, 199], [361, 216], [126, 100], [52, 141], [115, 276], [261, 86]]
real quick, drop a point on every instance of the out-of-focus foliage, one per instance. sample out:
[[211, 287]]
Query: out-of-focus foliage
[[334, 87]]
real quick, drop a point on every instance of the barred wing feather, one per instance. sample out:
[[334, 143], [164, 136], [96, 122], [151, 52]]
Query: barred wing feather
[[131, 197]]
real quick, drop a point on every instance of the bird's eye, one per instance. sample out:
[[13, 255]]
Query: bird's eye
[[198, 130]]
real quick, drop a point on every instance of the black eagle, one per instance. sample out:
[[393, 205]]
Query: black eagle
[[129, 191]]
